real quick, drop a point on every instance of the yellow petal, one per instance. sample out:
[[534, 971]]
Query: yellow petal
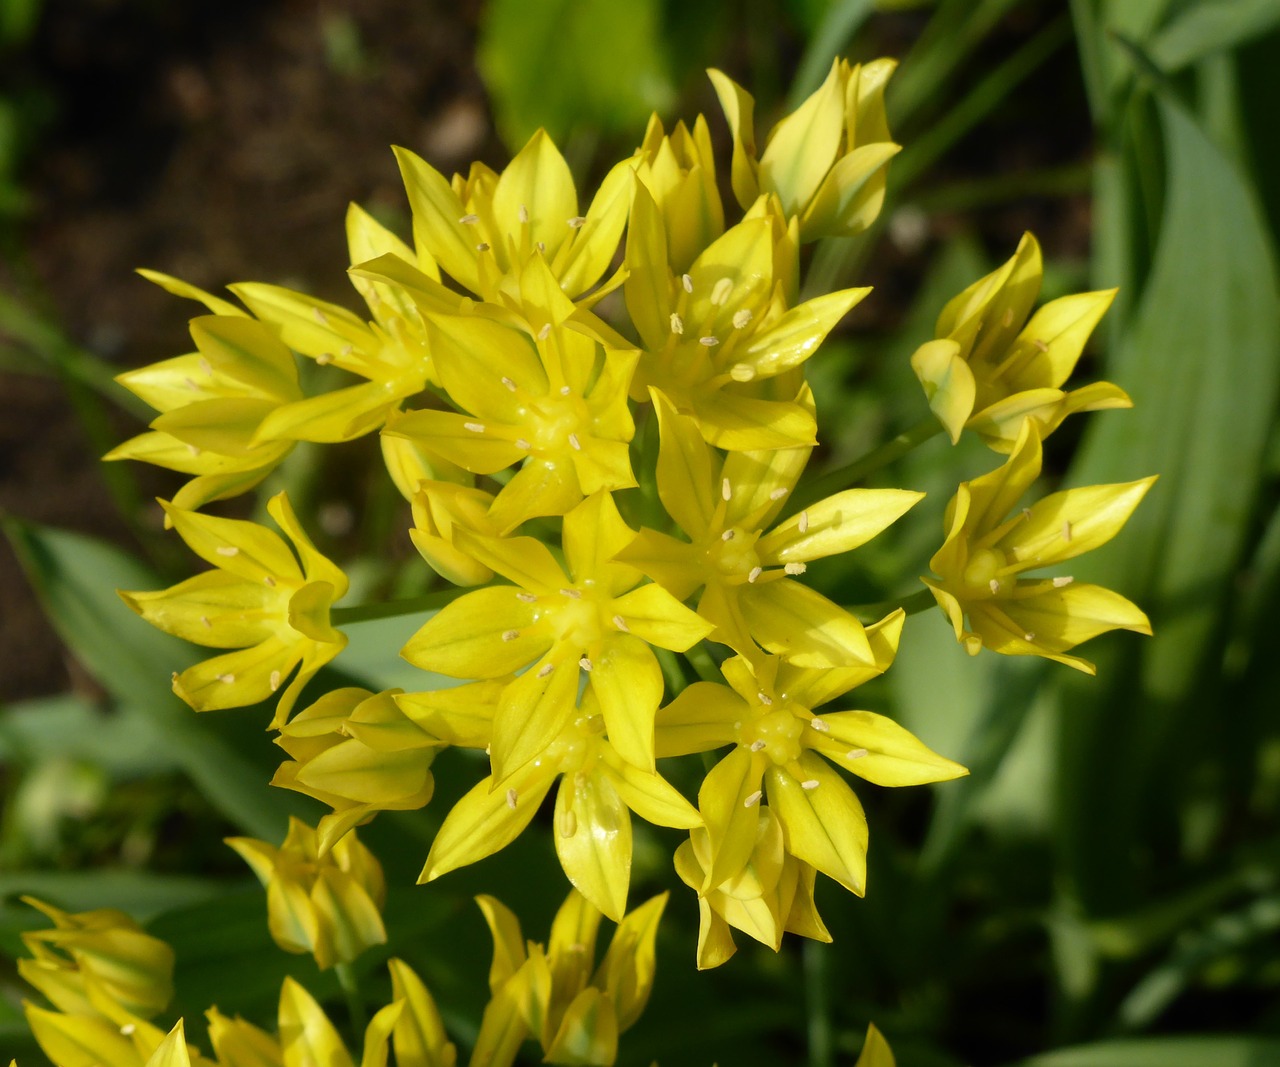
[[851, 195], [949, 386], [627, 681], [593, 533], [588, 1032], [419, 1037], [307, 1037], [878, 749], [451, 435], [582, 261], [178, 287], [1068, 523], [508, 942], [797, 335], [341, 415], [648, 286], [247, 352], [875, 1050], [803, 146], [840, 523], [626, 973], [502, 1032], [439, 211], [237, 1043], [801, 625], [739, 110], [729, 819], [593, 840], [1046, 351], [172, 1051], [535, 708], [825, 824], [243, 548], [469, 638], [655, 616], [536, 185], [700, 719], [305, 324], [79, 1041], [377, 1035], [739, 423], [649, 795]]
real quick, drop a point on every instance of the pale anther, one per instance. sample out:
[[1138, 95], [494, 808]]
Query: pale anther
[[677, 323], [741, 317], [544, 332], [994, 585], [726, 490], [777, 494], [572, 594], [574, 443], [469, 220], [687, 282], [320, 316], [193, 450], [1066, 531], [1007, 320], [754, 574], [512, 797], [1029, 636], [576, 222], [585, 664], [228, 550], [191, 384], [268, 580], [523, 213], [207, 624], [483, 246], [324, 358], [795, 568], [820, 725], [274, 680], [810, 784], [206, 366], [1040, 345], [565, 390], [128, 1028], [804, 522], [227, 679], [547, 668], [1065, 579], [855, 753], [508, 383], [474, 427], [569, 827], [621, 624], [348, 349], [541, 246], [510, 635], [523, 444], [528, 598], [708, 342], [728, 535], [757, 746], [764, 699], [752, 799], [742, 372], [720, 292]]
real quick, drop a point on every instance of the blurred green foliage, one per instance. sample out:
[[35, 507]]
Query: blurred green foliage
[[1107, 881]]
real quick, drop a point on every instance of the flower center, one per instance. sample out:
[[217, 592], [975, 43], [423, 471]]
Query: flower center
[[733, 553], [776, 734], [981, 575], [556, 423]]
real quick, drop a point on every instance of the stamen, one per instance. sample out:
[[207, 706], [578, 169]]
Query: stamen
[[810, 784], [522, 444], [1040, 345], [512, 797], [777, 494], [227, 679], [523, 214], [541, 246], [621, 624], [324, 358], [347, 350], [804, 522], [508, 383], [207, 624], [568, 827], [547, 668], [206, 366], [483, 246], [726, 490], [720, 292], [755, 573], [128, 1028], [528, 598], [764, 698], [1029, 636], [274, 680], [687, 282], [320, 316], [708, 342], [469, 220], [741, 318], [855, 753], [510, 635], [742, 372], [191, 384], [193, 450], [576, 222], [757, 746], [228, 550], [565, 390], [752, 799], [1026, 513], [474, 427], [574, 443], [1007, 319], [585, 664], [727, 535], [268, 580], [677, 323], [572, 594], [820, 725], [1065, 579], [1066, 531], [994, 585], [544, 332], [796, 568]]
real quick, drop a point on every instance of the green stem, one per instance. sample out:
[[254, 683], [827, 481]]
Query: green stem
[[700, 660], [389, 609], [919, 601], [351, 993], [852, 473], [817, 1004]]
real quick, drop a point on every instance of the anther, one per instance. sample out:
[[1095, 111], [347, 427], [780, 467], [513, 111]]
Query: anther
[[1007, 320], [523, 214], [568, 827], [820, 725], [565, 390], [274, 680], [324, 358], [1029, 636], [677, 323], [1065, 579], [795, 568], [754, 574], [708, 342], [320, 316], [720, 292], [687, 282], [207, 624], [523, 444], [804, 522], [193, 450], [510, 635], [347, 350], [227, 679], [469, 220], [483, 246], [1040, 345], [228, 550], [191, 384], [512, 797], [576, 222], [528, 598], [128, 1028], [855, 753], [727, 535], [508, 383], [541, 246], [621, 624], [726, 490], [574, 443], [764, 699], [206, 366], [742, 372], [741, 318], [757, 746], [1066, 531], [572, 594], [544, 332], [585, 664], [777, 494], [268, 580], [751, 799], [546, 669], [994, 585], [810, 784], [474, 427]]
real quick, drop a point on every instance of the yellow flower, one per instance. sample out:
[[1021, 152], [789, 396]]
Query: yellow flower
[[105, 947], [825, 161], [358, 753], [263, 599], [598, 790], [552, 994], [679, 172], [483, 229], [720, 341], [770, 895], [587, 622], [438, 509], [213, 403], [875, 1050], [325, 903], [991, 368], [989, 546], [554, 402], [780, 751], [748, 570]]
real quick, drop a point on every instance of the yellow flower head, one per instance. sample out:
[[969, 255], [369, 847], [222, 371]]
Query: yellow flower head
[[781, 752], [325, 903], [826, 160], [991, 367], [551, 993], [358, 753], [749, 571], [679, 171], [213, 404], [262, 599], [989, 546]]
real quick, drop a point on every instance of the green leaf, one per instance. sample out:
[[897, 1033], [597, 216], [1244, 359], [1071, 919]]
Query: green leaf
[[1212, 26], [137, 893], [566, 64], [123, 742], [76, 578], [1165, 1052]]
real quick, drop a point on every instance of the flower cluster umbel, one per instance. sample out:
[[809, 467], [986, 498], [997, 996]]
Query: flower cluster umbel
[[617, 500]]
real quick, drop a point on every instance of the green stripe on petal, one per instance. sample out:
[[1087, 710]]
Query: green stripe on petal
[[1066, 524], [729, 819], [825, 824], [840, 523], [878, 749], [534, 709], [593, 840], [801, 625], [627, 682], [796, 336]]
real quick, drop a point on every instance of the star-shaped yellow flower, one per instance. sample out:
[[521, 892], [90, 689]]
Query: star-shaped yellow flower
[[679, 170], [261, 598], [747, 570], [989, 546]]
